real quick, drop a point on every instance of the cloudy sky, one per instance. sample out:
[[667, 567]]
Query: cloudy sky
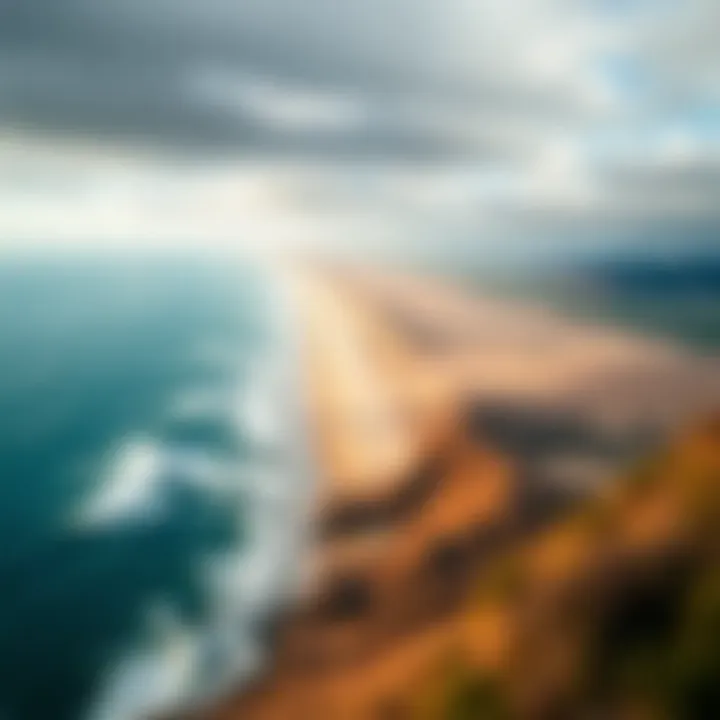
[[490, 126]]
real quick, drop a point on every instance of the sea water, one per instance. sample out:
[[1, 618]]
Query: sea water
[[150, 473]]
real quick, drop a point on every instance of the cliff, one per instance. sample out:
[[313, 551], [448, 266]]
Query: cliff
[[452, 432]]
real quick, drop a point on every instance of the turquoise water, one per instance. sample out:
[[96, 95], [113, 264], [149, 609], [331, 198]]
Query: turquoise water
[[140, 447]]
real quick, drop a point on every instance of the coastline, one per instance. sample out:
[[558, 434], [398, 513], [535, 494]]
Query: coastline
[[182, 668], [279, 557], [375, 518]]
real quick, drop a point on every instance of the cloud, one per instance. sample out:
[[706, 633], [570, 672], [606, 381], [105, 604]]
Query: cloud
[[247, 74], [466, 120]]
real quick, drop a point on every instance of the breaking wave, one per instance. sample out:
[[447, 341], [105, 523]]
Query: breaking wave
[[238, 449]]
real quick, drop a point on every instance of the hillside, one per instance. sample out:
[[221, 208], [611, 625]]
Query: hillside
[[454, 436], [613, 612]]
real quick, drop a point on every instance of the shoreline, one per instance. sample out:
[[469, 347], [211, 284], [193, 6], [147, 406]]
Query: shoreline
[[299, 489], [402, 346]]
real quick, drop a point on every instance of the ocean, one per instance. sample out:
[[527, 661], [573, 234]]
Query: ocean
[[151, 469]]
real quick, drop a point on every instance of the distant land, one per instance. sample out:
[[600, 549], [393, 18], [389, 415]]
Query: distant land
[[676, 297]]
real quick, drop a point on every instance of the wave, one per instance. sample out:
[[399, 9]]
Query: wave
[[180, 664], [133, 489]]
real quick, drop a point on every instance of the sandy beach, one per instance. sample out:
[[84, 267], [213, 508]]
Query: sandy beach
[[446, 426]]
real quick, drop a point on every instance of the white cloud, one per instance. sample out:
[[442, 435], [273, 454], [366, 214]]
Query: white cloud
[[277, 105], [392, 119]]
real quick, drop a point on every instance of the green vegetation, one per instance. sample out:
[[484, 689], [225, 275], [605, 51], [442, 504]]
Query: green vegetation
[[648, 639], [470, 697], [661, 650], [505, 580], [598, 519], [648, 472], [694, 662]]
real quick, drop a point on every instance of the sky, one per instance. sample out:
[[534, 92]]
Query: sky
[[485, 127]]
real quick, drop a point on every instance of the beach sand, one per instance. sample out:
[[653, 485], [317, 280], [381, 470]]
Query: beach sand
[[447, 425]]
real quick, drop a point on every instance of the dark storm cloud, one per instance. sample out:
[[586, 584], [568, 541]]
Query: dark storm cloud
[[125, 67], [567, 102]]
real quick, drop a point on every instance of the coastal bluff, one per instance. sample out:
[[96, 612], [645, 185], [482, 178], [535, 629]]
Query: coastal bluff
[[447, 427]]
